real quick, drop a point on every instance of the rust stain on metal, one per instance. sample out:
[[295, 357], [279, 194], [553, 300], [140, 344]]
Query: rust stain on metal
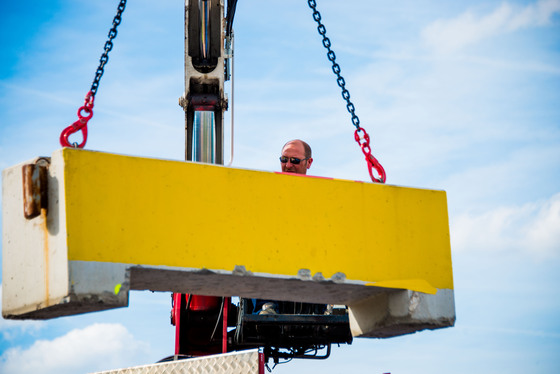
[[30, 209], [35, 192]]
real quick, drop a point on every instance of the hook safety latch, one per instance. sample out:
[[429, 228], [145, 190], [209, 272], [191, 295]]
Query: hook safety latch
[[362, 137], [84, 115]]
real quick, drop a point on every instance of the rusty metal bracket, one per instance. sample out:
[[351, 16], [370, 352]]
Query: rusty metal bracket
[[35, 187]]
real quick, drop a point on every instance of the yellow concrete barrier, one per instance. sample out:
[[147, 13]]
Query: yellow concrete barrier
[[116, 223], [157, 212]]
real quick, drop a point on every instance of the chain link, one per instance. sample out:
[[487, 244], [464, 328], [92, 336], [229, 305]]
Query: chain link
[[360, 135], [87, 108], [108, 47], [335, 66]]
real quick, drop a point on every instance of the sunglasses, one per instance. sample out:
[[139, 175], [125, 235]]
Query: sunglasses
[[293, 160]]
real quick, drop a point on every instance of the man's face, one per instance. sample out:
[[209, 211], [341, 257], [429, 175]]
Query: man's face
[[295, 149]]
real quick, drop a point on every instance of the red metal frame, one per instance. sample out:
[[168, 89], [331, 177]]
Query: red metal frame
[[198, 303]]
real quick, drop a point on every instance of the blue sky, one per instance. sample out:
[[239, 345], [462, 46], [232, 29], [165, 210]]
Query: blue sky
[[461, 96]]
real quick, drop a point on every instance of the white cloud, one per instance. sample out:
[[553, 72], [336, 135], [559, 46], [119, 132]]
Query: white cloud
[[449, 35], [543, 233], [12, 329], [97, 347], [533, 228]]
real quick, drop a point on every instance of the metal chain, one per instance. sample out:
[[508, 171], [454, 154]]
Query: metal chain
[[335, 66], [360, 135], [108, 47], [87, 108]]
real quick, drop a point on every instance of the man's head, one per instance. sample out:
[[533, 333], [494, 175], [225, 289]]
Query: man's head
[[294, 151]]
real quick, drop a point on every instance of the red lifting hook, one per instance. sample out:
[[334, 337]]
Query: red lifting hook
[[372, 162], [80, 124]]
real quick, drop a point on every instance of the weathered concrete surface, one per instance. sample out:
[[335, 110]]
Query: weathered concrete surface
[[401, 312]]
